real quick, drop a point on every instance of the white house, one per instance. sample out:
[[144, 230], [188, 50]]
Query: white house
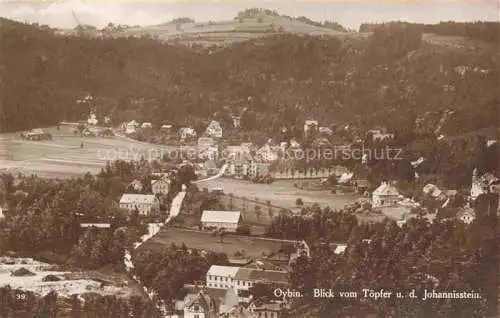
[[221, 277], [241, 279], [96, 225], [131, 127], [294, 143], [187, 132], [146, 125], [146, 203], [214, 129], [92, 120], [385, 195], [380, 134], [166, 128], [1, 213], [160, 186], [229, 220], [310, 124]]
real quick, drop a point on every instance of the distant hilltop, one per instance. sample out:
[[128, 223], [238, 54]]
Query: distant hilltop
[[247, 24]]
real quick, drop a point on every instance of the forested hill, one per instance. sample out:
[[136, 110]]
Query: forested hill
[[391, 79]]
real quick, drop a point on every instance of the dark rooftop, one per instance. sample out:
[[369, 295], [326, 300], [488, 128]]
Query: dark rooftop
[[267, 276]]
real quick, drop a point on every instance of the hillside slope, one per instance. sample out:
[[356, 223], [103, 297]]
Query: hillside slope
[[248, 24], [391, 79]]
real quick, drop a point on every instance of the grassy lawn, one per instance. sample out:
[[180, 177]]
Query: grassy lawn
[[63, 156], [281, 193], [253, 247]]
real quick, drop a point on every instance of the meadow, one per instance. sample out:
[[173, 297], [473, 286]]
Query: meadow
[[64, 157]]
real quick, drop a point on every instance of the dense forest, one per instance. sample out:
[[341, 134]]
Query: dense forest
[[17, 303], [389, 80], [45, 215], [445, 255], [482, 31], [166, 271]]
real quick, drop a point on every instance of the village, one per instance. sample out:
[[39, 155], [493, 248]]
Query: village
[[228, 169]]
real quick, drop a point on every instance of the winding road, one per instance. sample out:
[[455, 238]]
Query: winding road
[[154, 228]]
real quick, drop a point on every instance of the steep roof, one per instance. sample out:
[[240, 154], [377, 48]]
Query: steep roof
[[201, 299], [221, 216], [222, 271], [138, 198], [163, 179]]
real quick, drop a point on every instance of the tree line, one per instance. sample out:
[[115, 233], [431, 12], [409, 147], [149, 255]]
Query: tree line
[[278, 76], [19, 303], [478, 30], [45, 215], [167, 270], [444, 255]]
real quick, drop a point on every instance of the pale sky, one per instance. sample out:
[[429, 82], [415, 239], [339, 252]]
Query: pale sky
[[348, 13]]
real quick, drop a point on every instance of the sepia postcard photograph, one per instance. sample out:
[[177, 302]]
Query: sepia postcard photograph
[[249, 159]]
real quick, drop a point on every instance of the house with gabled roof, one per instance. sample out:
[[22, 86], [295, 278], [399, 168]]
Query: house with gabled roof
[[246, 278], [385, 195], [229, 220], [160, 186], [260, 308], [146, 204], [200, 305], [221, 277], [131, 127], [214, 129]]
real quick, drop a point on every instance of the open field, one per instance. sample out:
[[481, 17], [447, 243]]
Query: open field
[[253, 247], [281, 193], [223, 32], [62, 157]]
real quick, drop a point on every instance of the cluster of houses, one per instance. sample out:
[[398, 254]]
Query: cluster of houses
[[388, 199], [226, 293], [133, 126], [146, 204]]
